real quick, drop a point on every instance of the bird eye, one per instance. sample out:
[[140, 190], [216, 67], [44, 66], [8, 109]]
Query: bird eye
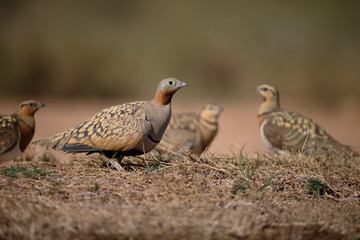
[[171, 83], [264, 89], [32, 105]]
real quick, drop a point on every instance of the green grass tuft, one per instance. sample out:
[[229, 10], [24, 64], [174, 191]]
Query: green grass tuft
[[238, 187], [246, 177], [267, 183], [95, 187], [55, 186], [33, 173], [316, 187], [153, 166], [13, 171]]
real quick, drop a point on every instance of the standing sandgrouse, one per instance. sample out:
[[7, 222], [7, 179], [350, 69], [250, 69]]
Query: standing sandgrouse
[[191, 132], [282, 130], [123, 130], [17, 130]]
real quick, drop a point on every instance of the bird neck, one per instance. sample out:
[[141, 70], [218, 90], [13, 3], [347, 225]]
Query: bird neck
[[208, 116], [208, 132], [163, 97], [159, 118], [208, 123], [26, 134], [27, 119], [267, 106]]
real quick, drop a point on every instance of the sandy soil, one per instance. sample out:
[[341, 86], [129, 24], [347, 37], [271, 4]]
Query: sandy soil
[[182, 198]]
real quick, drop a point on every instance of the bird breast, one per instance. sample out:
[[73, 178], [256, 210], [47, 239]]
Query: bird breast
[[159, 117], [266, 141]]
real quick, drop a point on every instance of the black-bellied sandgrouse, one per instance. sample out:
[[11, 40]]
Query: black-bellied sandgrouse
[[191, 132], [17, 130], [128, 129], [282, 130]]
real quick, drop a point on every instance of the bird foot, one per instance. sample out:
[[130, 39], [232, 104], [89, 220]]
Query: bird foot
[[115, 164]]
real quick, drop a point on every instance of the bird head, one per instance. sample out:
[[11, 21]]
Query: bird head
[[26, 111], [166, 89], [271, 99], [268, 92]]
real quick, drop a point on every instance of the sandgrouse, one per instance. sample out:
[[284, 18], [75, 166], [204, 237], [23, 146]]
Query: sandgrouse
[[282, 130], [191, 132], [17, 130], [128, 129]]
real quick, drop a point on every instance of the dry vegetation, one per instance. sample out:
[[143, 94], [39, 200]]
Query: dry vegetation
[[266, 196]]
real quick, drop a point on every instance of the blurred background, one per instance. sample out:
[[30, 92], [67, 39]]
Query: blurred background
[[96, 51]]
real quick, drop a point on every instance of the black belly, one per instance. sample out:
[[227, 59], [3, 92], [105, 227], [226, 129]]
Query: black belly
[[117, 154], [78, 148]]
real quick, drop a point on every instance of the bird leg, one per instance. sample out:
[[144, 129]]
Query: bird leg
[[115, 162]]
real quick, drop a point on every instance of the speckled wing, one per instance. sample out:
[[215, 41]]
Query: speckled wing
[[9, 133], [181, 134], [117, 128], [291, 131]]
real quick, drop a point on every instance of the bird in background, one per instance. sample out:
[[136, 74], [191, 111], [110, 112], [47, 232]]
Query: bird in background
[[128, 129], [283, 130], [17, 130], [191, 132]]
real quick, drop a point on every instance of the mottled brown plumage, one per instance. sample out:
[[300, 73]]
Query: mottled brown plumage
[[191, 132], [123, 130], [282, 130], [17, 130]]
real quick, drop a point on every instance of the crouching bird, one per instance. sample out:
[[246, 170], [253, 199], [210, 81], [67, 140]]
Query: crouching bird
[[17, 130], [128, 129], [191, 132], [282, 130]]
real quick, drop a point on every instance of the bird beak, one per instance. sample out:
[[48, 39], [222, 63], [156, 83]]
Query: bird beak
[[183, 84], [40, 104]]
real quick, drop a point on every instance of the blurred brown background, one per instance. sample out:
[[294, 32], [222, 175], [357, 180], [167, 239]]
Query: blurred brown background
[[81, 56]]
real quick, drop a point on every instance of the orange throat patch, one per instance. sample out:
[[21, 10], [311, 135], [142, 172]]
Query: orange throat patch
[[163, 98]]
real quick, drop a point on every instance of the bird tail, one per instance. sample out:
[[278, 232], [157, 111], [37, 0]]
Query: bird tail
[[341, 148], [56, 142]]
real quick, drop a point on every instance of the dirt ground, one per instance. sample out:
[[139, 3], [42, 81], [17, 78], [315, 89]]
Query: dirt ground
[[223, 196], [181, 197]]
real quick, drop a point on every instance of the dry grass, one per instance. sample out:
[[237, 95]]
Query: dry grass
[[183, 197]]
